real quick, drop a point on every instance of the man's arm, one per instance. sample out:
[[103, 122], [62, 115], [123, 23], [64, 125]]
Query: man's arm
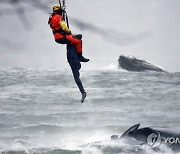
[[64, 27]]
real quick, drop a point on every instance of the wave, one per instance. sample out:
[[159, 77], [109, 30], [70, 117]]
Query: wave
[[41, 113], [103, 148], [34, 77], [59, 128], [42, 151], [43, 127]]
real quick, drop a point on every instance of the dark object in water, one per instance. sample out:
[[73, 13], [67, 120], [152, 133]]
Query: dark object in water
[[136, 137], [131, 63], [153, 136]]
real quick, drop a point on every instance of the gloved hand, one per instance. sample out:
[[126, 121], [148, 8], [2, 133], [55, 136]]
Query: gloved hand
[[79, 36], [69, 33]]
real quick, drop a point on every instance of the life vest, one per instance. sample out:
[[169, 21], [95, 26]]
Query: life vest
[[54, 21]]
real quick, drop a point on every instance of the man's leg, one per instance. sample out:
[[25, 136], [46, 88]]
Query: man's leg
[[77, 79], [75, 41], [75, 67]]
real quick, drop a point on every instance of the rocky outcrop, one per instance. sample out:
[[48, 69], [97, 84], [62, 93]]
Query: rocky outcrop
[[131, 63]]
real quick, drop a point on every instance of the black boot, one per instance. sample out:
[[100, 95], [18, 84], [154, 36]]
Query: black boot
[[81, 58], [83, 97]]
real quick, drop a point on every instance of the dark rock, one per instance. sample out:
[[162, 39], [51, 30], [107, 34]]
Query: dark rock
[[131, 63]]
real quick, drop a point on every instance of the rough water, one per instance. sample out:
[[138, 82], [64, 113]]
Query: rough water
[[41, 113]]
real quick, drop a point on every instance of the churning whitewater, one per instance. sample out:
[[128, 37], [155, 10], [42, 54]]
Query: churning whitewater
[[41, 112]]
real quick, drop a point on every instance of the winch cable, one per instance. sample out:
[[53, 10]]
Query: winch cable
[[64, 15]]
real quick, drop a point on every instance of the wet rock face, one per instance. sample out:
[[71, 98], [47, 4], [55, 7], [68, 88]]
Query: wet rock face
[[131, 63]]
